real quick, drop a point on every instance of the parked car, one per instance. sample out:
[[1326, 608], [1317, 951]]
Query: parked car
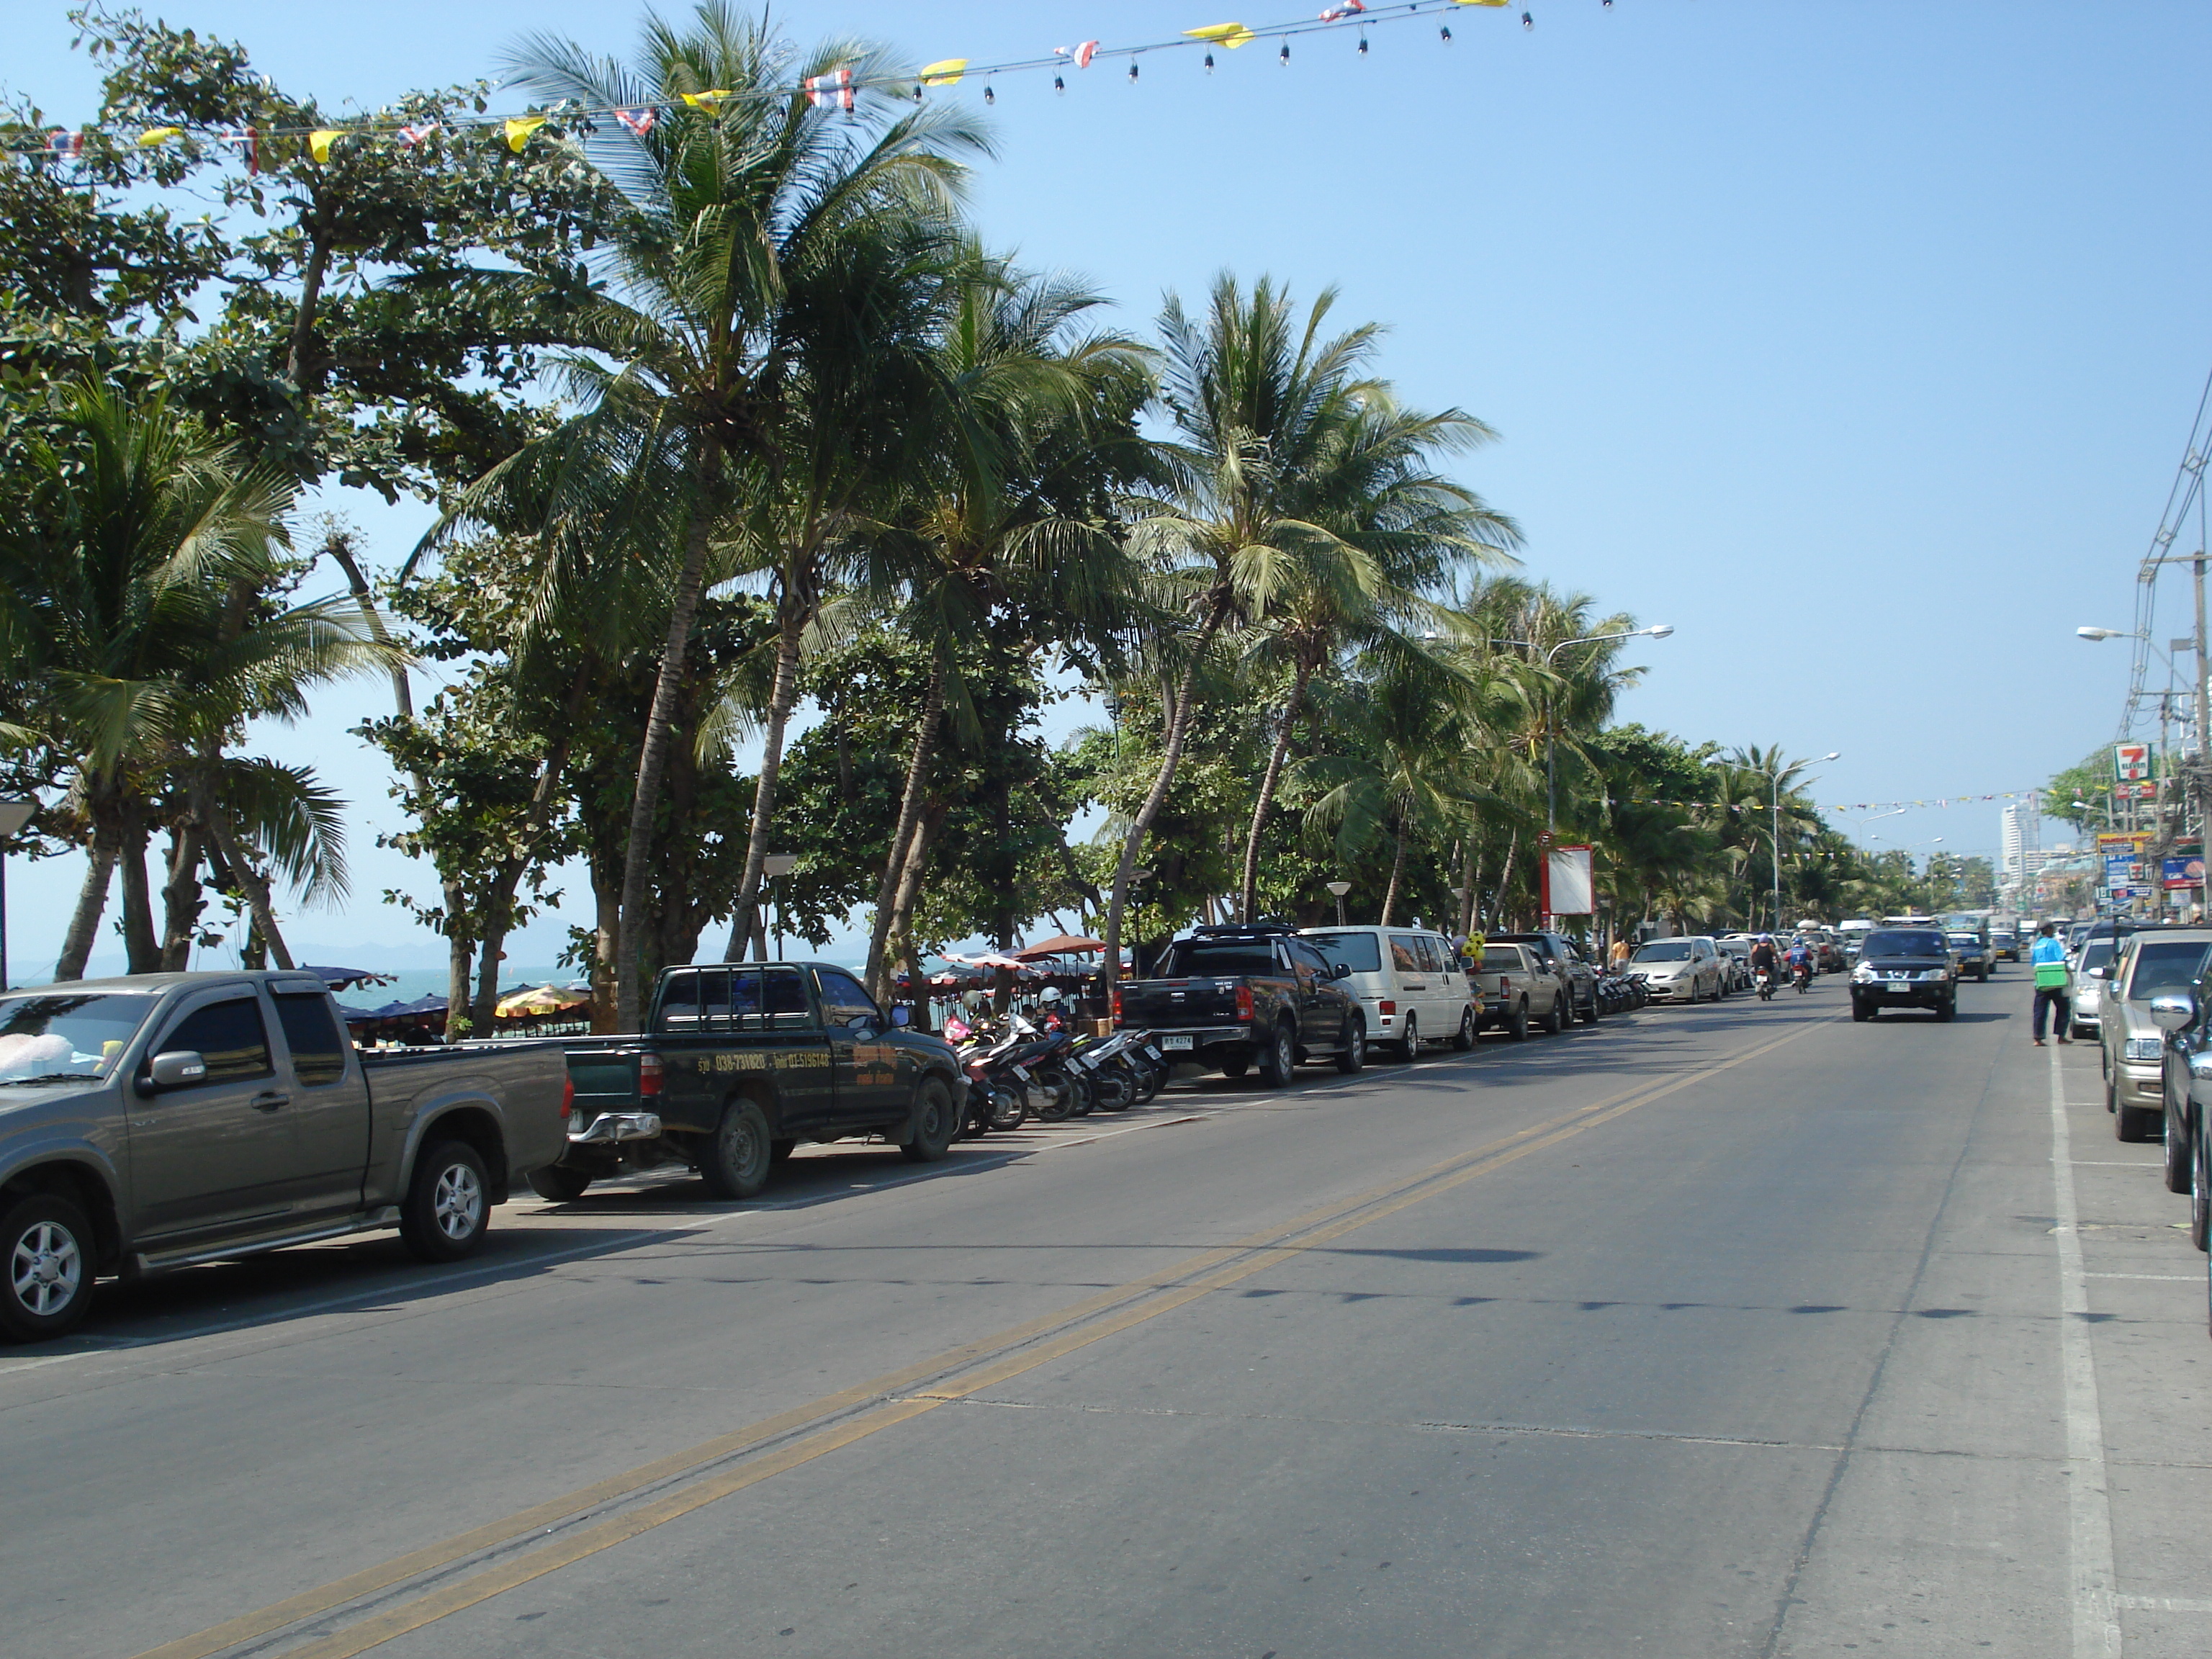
[[1558, 956], [1686, 969], [2092, 966], [1973, 955], [1905, 967], [2131, 1046], [1412, 984], [160, 1120], [1736, 959], [2185, 1018], [1827, 950], [1520, 989], [1232, 998], [738, 1064]]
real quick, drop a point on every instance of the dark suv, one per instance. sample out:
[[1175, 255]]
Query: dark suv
[[1905, 967]]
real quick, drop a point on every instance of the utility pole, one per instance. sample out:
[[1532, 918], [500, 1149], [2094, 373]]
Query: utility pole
[[2196, 773]]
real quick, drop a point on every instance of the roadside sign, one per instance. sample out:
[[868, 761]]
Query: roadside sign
[[2131, 762], [1569, 887], [2185, 872]]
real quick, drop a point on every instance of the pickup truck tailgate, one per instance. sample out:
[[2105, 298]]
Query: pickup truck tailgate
[[1172, 1003], [606, 1080]]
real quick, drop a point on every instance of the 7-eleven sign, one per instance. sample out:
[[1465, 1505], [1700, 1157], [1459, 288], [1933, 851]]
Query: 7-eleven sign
[[2131, 762]]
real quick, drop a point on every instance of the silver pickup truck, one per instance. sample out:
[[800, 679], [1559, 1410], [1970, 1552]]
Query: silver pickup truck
[[165, 1120]]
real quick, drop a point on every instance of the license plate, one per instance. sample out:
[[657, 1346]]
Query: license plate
[[1152, 1051], [1175, 1043], [1022, 1072], [1082, 1062]]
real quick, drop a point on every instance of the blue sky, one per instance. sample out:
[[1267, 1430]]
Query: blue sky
[[1859, 343]]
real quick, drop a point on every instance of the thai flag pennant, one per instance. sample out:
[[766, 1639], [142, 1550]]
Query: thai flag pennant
[[710, 100], [821, 90], [639, 121], [67, 146], [1338, 14], [1082, 54], [320, 140], [156, 136], [412, 137], [248, 140], [1231, 35], [518, 128]]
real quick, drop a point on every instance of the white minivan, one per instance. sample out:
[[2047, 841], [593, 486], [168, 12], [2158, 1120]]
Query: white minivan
[[1410, 981]]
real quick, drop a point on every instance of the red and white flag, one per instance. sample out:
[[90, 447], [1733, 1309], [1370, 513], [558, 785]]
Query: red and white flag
[[1082, 54], [411, 136], [821, 90], [639, 121], [66, 145]]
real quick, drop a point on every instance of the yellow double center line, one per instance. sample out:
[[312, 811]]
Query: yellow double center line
[[855, 1414]]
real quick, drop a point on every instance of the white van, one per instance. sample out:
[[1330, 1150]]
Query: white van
[[1410, 981]]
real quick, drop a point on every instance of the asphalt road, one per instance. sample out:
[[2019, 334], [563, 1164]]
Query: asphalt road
[[1734, 1330]]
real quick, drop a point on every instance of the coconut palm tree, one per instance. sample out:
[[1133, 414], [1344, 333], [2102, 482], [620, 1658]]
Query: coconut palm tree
[[1400, 535], [134, 621], [1259, 399], [775, 290]]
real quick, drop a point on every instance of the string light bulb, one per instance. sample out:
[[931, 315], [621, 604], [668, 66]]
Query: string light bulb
[[1362, 45], [1059, 85], [1445, 34], [1283, 56], [1133, 71], [989, 96], [1527, 22], [1209, 63]]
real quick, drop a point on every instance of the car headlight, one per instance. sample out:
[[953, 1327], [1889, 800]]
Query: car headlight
[[1862, 974], [2145, 1047]]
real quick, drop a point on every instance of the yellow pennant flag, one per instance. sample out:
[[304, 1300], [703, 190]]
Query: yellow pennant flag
[[518, 128], [153, 136], [1231, 35], [320, 142], [945, 72], [707, 101]]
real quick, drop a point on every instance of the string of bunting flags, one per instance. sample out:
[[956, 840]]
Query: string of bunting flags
[[1832, 807], [838, 89]]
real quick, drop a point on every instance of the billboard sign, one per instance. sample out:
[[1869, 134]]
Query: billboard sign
[[2187, 872], [2131, 762], [1570, 889]]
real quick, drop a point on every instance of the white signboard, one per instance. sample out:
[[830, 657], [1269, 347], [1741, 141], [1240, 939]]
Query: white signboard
[[1569, 889]]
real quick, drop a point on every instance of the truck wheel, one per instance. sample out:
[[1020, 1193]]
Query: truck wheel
[[448, 1204], [1517, 1027], [2133, 1123], [1552, 1022], [738, 1157], [1277, 1058], [2179, 1152], [933, 1122], [1235, 1067], [45, 1245], [1464, 1038], [562, 1186], [1353, 1054]]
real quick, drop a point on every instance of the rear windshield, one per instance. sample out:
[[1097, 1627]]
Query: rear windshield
[[1195, 958], [1905, 942], [2167, 965], [1361, 952], [1673, 949], [67, 1035], [2096, 953], [1967, 941]]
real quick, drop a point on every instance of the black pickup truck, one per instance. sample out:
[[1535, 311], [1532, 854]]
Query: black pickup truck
[[1230, 997], [740, 1064]]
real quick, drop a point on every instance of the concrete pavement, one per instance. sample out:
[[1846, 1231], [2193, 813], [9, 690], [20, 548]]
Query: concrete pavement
[[1722, 1330]]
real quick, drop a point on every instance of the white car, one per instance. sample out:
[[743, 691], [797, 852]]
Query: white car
[[1412, 982], [1680, 969]]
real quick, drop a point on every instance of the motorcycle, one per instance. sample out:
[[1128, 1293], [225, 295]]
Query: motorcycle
[[1802, 976], [1765, 978]]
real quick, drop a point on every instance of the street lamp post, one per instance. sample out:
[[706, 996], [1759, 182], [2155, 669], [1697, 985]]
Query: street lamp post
[[1339, 888], [775, 866], [14, 815], [1775, 777]]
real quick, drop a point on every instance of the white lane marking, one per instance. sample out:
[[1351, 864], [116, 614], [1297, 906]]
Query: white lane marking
[[2111, 1163], [2164, 1603], [2096, 1622], [2163, 1278]]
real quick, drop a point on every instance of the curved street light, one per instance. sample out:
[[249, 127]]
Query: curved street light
[[1656, 631]]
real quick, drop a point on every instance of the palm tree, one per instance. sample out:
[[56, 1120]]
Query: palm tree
[[773, 289], [1005, 528], [1259, 401], [1402, 534], [133, 616]]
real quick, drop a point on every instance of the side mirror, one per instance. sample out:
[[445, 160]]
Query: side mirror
[[179, 1068], [901, 1014], [2100, 973], [1341, 971], [2173, 1010]]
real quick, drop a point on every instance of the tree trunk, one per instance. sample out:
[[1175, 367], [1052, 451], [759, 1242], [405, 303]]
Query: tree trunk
[[607, 894], [917, 768], [250, 882], [781, 700], [1178, 728], [1470, 875], [1248, 889], [460, 956], [1505, 876], [91, 900], [903, 902], [339, 546], [183, 899], [303, 324], [652, 760], [1397, 874], [142, 949]]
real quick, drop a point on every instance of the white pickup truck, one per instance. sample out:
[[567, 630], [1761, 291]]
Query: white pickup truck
[[1519, 989], [164, 1120]]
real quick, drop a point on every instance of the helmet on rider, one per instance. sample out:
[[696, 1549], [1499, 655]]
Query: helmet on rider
[[1050, 995]]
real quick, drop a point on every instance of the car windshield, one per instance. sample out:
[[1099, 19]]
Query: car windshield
[[1906, 942], [2168, 965], [2096, 953], [1192, 959], [1967, 941], [1673, 949], [1361, 952], [70, 1035]]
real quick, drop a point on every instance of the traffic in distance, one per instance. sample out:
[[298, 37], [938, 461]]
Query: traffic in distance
[[157, 1122]]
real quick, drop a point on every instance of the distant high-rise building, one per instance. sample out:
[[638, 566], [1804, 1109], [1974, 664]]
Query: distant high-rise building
[[2022, 828]]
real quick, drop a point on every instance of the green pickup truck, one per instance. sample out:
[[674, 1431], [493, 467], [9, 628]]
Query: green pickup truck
[[738, 1064]]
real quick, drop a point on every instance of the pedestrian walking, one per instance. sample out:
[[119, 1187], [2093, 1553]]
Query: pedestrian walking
[[1622, 950], [2053, 984]]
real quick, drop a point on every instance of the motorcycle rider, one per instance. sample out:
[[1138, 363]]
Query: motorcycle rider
[[1762, 954], [1801, 960]]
